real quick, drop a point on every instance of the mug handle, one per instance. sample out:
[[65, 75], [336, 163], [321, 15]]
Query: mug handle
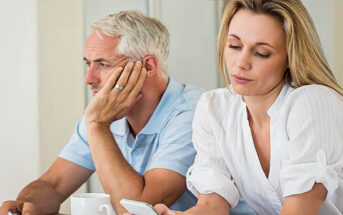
[[108, 207]]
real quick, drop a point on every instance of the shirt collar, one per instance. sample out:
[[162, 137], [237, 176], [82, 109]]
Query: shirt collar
[[274, 109], [168, 99], [120, 127]]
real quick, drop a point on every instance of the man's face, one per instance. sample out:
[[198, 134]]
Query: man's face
[[101, 56]]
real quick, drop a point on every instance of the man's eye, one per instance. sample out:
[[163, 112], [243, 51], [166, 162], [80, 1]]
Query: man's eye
[[102, 65], [234, 47]]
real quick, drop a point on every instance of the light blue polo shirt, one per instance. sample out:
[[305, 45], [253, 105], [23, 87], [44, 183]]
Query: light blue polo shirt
[[165, 141]]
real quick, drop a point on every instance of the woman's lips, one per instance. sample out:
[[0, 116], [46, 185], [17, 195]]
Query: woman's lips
[[240, 80]]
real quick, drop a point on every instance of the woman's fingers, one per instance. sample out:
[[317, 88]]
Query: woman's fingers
[[163, 210]]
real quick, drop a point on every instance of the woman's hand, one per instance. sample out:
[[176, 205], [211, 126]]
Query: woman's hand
[[208, 204], [162, 210]]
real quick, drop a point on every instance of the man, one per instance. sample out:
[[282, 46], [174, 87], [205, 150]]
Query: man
[[136, 132]]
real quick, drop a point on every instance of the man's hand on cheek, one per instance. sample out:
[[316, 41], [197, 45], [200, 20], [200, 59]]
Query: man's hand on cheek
[[116, 98]]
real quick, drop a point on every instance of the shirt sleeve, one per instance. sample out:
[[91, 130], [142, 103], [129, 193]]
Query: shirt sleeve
[[209, 173], [77, 150], [175, 150], [315, 144]]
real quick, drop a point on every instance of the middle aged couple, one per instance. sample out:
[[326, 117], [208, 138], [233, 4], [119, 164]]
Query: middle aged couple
[[271, 137]]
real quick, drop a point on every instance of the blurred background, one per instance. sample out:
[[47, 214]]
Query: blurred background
[[41, 69]]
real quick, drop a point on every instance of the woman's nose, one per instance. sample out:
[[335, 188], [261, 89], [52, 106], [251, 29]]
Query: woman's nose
[[244, 60]]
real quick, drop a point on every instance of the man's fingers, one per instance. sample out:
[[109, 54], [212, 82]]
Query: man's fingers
[[138, 86], [112, 80], [11, 206], [124, 77], [134, 76], [29, 209]]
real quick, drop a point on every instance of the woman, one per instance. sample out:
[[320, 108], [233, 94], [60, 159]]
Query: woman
[[275, 136]]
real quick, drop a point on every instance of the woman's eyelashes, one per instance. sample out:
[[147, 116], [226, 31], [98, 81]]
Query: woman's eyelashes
[[234, 47], [261, 55], [256, 53]]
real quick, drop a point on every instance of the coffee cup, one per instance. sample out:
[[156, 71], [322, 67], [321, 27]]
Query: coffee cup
[[91, 204]]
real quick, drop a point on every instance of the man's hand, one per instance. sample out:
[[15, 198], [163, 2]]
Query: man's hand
[[111, 103], [25, 208]]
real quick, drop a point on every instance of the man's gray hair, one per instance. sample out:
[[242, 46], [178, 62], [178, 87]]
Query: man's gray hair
[[139, 35]]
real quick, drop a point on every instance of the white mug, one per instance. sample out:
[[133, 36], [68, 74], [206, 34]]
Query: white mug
[[91, 204]]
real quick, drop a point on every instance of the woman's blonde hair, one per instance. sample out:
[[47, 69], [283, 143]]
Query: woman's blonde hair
[[306, 59]]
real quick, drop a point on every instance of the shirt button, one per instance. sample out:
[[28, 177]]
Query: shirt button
[[134, 153]]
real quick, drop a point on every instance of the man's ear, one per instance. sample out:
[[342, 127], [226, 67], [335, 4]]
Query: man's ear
[[150, 63]]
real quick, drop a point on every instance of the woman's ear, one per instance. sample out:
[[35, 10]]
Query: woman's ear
[[150, 63]]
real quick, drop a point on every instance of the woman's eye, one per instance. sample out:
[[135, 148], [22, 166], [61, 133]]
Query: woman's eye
[[262, 55], [234, 47]]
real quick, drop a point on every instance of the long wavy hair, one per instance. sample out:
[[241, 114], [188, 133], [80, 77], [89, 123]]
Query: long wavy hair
[[306, 59]]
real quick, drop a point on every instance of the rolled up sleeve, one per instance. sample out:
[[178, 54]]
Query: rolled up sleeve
[[315, 145], [209, 173]]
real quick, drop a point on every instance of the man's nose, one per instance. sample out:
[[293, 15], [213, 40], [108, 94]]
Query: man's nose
[[92, 76]]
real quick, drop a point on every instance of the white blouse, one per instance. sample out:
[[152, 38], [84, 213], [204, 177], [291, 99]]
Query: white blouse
[[306, 147]]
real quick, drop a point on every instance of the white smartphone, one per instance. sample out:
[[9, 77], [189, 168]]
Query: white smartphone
[[138, 208]]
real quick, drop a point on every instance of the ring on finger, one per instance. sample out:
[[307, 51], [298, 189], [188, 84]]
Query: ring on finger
[[119, 87]]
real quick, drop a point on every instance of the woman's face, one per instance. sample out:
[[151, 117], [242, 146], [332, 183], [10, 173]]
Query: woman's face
[[255, 53]]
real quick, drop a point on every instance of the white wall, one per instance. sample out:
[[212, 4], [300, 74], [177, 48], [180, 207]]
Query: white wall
[[19, 148], [328, 18], [61, 88], [62, 97], [338, 41], [322, 13], [43, 94], [193, 25]]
